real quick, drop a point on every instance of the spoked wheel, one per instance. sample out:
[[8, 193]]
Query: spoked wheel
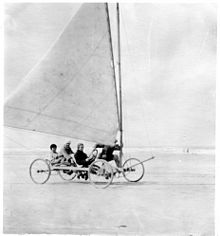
[[133, 170], [100, 174], [67, 174], [40, 171]]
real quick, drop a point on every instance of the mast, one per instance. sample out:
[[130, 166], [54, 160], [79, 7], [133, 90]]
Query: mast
[[113, 63], [120, 83]]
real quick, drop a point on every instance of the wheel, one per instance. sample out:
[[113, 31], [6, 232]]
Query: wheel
[[67, 174], [133, 170], [48, 161], [40, 171], [100, 174]]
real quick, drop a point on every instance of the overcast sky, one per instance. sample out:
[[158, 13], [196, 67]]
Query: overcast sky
[[168, 67]]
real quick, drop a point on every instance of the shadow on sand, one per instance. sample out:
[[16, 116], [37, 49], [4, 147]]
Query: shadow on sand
[[142, 183], [130, 184]]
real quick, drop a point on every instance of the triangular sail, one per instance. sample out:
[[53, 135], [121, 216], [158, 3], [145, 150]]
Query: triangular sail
[[72, 91]]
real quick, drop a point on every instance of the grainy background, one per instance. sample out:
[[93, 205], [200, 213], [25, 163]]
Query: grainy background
[[169, 59]]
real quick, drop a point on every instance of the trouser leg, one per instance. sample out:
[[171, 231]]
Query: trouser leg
[[117, 160]]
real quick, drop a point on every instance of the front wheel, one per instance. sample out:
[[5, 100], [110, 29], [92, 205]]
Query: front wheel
[[40, 171], [133, 170], [100, 173]]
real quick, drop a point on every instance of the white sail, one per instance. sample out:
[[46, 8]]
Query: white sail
[[72, 91]]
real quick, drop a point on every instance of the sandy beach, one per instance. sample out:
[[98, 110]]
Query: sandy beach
[[175, 197]]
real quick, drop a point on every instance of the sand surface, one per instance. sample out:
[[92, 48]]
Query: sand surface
[[175, 197]]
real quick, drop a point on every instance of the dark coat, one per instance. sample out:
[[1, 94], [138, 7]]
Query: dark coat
[[107, 151], [81, 157]]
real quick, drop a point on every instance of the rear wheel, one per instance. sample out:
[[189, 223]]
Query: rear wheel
[[40, 171], [133, 170], [67, 174], [100, 173]]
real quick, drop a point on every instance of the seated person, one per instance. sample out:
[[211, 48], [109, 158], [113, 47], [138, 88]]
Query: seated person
[[81, 157], [54, 157], [107, 153], [67, 153]]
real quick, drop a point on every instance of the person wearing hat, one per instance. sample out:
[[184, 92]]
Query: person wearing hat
[[66, 152]]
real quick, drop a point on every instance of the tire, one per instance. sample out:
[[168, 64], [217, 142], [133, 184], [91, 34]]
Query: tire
[[67, 175], [133, 170], [100, 174], [39, 171]]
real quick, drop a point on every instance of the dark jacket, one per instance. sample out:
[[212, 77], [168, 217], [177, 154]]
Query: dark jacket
[[80, 157], [107, 150]]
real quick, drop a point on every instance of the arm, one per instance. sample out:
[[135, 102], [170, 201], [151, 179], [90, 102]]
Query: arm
[[51, 156], [71, 151]]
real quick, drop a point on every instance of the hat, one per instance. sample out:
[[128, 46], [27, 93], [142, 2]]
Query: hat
[[53, 146], [69, 142]]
